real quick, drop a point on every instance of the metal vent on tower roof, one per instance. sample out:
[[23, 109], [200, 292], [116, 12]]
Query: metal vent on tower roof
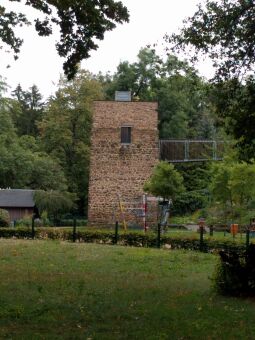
[[123, 96]]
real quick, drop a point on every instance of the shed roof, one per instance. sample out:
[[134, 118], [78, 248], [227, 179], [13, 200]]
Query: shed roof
[[16, 198]]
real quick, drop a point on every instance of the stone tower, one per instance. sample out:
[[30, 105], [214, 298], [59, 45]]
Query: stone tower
[[124, 150]]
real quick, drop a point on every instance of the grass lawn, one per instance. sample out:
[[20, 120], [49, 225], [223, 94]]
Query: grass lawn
[[60, 290]]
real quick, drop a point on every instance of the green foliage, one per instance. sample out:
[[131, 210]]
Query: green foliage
[[135, 239], [23, 164], [20, 167], [233, 187], [80, 22], [222, 30], [27, 110], [65, 131], [4, 218], [165, 182], [235, 273], [54, 202], [196, 176], [189, 202], [26, 221], [234, 102], [184, 105], [69, 222]]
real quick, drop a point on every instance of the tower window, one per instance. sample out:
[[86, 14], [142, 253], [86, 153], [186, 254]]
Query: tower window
[[125, 137]]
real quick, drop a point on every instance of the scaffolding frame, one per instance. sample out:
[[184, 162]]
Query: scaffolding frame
[[138, 208]]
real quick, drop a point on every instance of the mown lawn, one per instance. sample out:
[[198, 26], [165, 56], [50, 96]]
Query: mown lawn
[[60, 290]]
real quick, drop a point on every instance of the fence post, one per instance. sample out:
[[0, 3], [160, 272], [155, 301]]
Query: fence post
[[201, 223], [158, 236], [115, 241], [33, 227], [201, 244], [247, 237], [74, 229]]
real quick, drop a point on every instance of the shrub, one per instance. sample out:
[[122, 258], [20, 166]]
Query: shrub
[[165, 181], [235, 273], [189, 202], [26, 221], [136, 239], [69, 222], [4, 218]]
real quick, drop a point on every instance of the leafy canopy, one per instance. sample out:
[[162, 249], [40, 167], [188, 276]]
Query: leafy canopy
[[54, 202], [80, 22], [233, 187], [235, 102], [165, 182], [65, 130], [223, 30], [184, 107]]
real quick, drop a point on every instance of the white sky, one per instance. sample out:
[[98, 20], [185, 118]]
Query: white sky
[[39, 63]]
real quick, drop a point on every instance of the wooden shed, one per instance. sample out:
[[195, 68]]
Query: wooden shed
[[18, 202]]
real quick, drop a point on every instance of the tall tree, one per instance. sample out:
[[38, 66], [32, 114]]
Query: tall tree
[[28, 111], [234, 101], [184, 108], [233, 186], [65, 130], [80, 22], [165, 182], [22, 164], [224, 31]]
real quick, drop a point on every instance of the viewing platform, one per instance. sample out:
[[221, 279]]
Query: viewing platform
[[189, 150]]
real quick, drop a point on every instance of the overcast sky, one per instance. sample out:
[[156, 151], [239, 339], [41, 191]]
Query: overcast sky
[[149, 20]]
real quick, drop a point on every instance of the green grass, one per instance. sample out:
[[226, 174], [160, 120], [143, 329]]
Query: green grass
[[59, 290]]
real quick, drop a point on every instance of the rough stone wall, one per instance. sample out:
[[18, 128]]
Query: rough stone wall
[[117, 169]]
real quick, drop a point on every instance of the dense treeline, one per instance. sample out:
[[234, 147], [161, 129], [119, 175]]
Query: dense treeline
[[45, 144]]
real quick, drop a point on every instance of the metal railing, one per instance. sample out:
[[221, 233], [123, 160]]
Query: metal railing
[[188, 150]]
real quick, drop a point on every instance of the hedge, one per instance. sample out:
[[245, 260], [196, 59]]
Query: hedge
[[135, 239], [235, 273]]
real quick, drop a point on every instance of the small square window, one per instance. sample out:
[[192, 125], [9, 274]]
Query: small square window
[[125, 137]]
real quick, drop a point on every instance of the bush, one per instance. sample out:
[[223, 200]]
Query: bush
[[136, 239], [4, 218], [235, 273], [189, 202], [26, 221], [69, 222]]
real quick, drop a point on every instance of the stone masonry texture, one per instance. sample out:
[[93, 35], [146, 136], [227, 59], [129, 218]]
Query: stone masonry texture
[[119, 170]]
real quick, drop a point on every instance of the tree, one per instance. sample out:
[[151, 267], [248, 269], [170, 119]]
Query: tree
[[4, 218], [137, 77], [21, 167], [80, 22], [165, 182], [223, 30], [54, 202], [28, 111], [23, 164], [233, 186], [65, 130], [235, 102], [184, 108]]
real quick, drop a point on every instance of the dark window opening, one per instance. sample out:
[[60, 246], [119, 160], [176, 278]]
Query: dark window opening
[[125, 135]]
